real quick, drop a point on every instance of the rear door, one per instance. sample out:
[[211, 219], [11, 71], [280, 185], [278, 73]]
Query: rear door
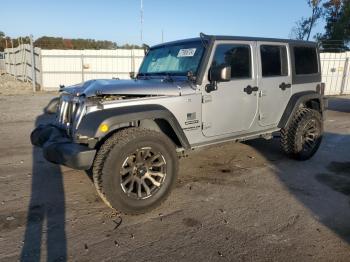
[[275, 81]]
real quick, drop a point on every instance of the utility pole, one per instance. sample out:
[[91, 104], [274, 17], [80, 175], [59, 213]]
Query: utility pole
[[162, 36], [141, 21]]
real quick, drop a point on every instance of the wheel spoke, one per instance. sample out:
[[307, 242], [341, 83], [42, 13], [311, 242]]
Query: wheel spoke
[[139, 193], [128, 180], [154, 182], [126, 170], [146, 153], [154, 158], [139, 156], [146, 187], [159, 163], [158, 174], [131, 186]]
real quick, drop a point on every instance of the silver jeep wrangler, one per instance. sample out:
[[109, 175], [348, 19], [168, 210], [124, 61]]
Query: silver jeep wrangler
[[187, 94]]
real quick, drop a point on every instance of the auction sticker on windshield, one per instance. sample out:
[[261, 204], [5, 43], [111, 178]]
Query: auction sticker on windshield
[[186, 52]]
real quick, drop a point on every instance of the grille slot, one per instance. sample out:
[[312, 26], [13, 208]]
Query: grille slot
[[67, 113]]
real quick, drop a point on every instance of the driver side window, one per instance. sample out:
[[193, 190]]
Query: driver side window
[[237, 56]]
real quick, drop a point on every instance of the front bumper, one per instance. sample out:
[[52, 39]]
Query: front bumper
[[59, 149]]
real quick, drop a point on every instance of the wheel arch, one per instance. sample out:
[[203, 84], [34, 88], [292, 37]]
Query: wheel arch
[[153, 117], [308, 99]]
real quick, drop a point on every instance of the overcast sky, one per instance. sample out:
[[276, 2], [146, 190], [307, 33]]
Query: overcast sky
[[119, 21]]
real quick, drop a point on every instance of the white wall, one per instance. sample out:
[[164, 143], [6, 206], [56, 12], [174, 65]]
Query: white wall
[[68, 67], [336, 72]]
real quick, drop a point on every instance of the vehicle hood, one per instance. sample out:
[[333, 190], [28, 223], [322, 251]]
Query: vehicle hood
[[153, 87]]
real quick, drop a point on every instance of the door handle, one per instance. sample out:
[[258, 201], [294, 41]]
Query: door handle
[[284, 86], [249, 89]]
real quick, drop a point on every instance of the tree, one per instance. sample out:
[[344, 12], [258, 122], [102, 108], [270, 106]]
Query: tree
[[337, 17], [2, 34], [303, 28]]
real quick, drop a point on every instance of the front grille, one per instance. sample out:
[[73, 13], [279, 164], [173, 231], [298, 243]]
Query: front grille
[[67, 113]]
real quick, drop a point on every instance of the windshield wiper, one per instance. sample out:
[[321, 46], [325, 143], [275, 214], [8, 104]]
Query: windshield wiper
[[145, 77], [168, 77]]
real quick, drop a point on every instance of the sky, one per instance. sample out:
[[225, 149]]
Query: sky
[[119, 20]]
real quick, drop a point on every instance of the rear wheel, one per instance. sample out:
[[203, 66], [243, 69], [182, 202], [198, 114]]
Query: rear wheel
[[135, 169], [303, 136]]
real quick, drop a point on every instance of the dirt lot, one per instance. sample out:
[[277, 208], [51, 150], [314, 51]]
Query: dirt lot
[[233, 202]]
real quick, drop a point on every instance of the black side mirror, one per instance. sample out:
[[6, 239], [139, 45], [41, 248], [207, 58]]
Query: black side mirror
[[132, 75], [220, 73]]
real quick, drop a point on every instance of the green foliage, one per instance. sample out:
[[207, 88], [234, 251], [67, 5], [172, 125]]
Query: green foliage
[[6, 41], [337, 21], [336, 14], [48, 42], [303, 28]]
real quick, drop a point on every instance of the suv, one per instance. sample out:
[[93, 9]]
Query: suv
[[187, 94]]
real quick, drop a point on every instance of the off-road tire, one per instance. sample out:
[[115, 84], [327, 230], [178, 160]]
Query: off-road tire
[[108, 162], [292, 141]]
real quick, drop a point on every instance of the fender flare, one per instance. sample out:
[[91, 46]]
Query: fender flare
[[115, 117], [295, 101]]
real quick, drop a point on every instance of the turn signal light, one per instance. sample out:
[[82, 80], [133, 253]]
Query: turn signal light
[[104, 128]]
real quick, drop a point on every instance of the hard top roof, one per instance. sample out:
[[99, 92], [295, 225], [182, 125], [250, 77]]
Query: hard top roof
[[239, 38]]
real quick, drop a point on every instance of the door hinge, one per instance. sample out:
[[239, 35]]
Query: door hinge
[[261, 116], [262, 93], [206, 125], [206, 99]]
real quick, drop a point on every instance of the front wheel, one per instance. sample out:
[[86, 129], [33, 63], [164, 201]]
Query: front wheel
[[135, 169], [303, 136]]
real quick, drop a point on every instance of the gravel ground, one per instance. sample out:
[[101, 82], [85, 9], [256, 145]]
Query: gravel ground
[[10, 86], [232, 202]]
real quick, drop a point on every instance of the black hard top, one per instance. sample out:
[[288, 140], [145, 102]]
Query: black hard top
[[239, 38]]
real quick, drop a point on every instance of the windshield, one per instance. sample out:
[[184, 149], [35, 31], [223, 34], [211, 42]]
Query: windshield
[[175, 59]]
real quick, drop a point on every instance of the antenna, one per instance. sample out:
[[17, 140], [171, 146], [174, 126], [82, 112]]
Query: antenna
[[141, 20]]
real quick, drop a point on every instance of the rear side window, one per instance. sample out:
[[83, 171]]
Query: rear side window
[[236, 56], [274, 60], [306, 61]]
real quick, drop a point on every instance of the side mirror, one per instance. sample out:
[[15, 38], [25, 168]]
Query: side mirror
[[132, 75], [220, 73]]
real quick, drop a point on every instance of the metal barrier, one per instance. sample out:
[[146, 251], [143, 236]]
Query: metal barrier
[[53, 68], [336, 73]]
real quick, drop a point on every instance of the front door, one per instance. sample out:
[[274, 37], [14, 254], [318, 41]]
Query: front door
[[232, 108], [274, 82]]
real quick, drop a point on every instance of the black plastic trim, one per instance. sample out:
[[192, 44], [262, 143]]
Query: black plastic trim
[[114, 117], [73, 155], [59, 149], [295, 101]]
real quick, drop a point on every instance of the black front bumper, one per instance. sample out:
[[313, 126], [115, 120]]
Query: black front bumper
[[59, 149]]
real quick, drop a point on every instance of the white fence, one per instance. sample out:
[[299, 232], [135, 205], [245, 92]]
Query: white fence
[[2, 65], [67, 67], [336, 73], [18, 62]]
